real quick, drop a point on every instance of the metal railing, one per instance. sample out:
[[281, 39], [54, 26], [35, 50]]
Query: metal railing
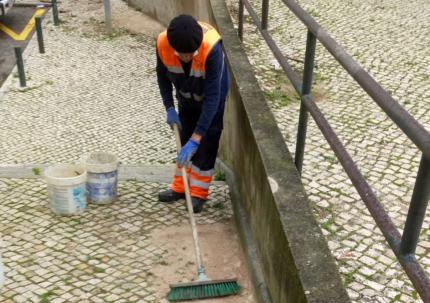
[[404, 245]]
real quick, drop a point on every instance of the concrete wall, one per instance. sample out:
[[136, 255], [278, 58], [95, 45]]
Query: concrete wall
[[166, 10], [297, 265], [296, 262]]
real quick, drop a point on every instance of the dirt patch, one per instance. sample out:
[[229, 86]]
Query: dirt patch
[[88, 18], [222, 256], [133, 21]]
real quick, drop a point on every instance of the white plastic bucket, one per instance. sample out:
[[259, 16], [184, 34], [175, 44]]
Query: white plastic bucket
[[102, 180], [66, 188]]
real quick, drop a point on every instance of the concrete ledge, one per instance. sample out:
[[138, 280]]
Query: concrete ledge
[[166, 10], [296, 262], [251, 251], [143, 173], [147, 173]]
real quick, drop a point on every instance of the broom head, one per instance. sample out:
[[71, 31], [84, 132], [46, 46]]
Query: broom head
[[202, 290]]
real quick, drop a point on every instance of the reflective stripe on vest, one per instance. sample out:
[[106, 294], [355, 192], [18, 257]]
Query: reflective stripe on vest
[[185, 95], [175, 69], [197, 73], [188, 95]]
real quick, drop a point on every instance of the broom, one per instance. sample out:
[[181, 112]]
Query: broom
[[203, 287]]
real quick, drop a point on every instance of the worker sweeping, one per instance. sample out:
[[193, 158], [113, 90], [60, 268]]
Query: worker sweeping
[[191, 59]]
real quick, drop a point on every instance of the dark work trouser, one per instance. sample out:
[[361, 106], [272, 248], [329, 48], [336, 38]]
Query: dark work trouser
[[201, 168]]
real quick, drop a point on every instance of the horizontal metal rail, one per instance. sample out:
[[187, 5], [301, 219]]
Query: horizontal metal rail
[[414, 130], [403, 247], [413, 269]]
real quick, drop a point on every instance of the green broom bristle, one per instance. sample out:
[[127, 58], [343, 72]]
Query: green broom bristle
[[207, 290]]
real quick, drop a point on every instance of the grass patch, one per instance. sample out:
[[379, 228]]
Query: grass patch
[[98, 270], [163, 262], [75, 221], [328, 225], [36, 171], [44, 298], [67, 281], [319, 77], [314, 13], [330, 159], [219, 176], [328, 217], [349, 277], [218, 205], [280, 97], [116, 33], [26, 89]]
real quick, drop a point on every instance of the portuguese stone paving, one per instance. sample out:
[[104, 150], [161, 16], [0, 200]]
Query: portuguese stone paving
[[388, 38], [89, 92], [105, 255]]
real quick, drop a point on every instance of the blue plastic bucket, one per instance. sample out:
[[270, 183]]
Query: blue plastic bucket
[[102, 177]]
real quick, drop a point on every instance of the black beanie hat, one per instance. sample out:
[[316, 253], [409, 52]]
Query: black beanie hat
[[184, 34]]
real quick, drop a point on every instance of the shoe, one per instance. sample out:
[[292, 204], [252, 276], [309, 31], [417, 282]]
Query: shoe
[[169, 196], [197, 204]]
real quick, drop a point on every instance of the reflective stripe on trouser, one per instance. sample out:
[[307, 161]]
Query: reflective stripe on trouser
[[177, 183], [198, 180], [201, 166]]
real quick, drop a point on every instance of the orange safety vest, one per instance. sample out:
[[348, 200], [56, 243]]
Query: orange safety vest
[[198, 66]]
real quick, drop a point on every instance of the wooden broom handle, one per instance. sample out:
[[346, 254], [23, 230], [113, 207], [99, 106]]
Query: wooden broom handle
[[200, 268]]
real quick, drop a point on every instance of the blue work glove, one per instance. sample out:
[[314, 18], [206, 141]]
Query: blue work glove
[[187, 152], [172, 117]]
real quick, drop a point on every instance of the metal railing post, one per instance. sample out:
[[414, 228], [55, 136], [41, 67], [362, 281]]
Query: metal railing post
[[20, 66], [306, 90], [265, 14], [417, 209], [40, 35], [402, 245], [108, 17], [55, 12], [240, 26]]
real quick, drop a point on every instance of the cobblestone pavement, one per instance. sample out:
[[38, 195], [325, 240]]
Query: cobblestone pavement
[[389, 39], [104, 255], [89, 92], [110, 101]]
